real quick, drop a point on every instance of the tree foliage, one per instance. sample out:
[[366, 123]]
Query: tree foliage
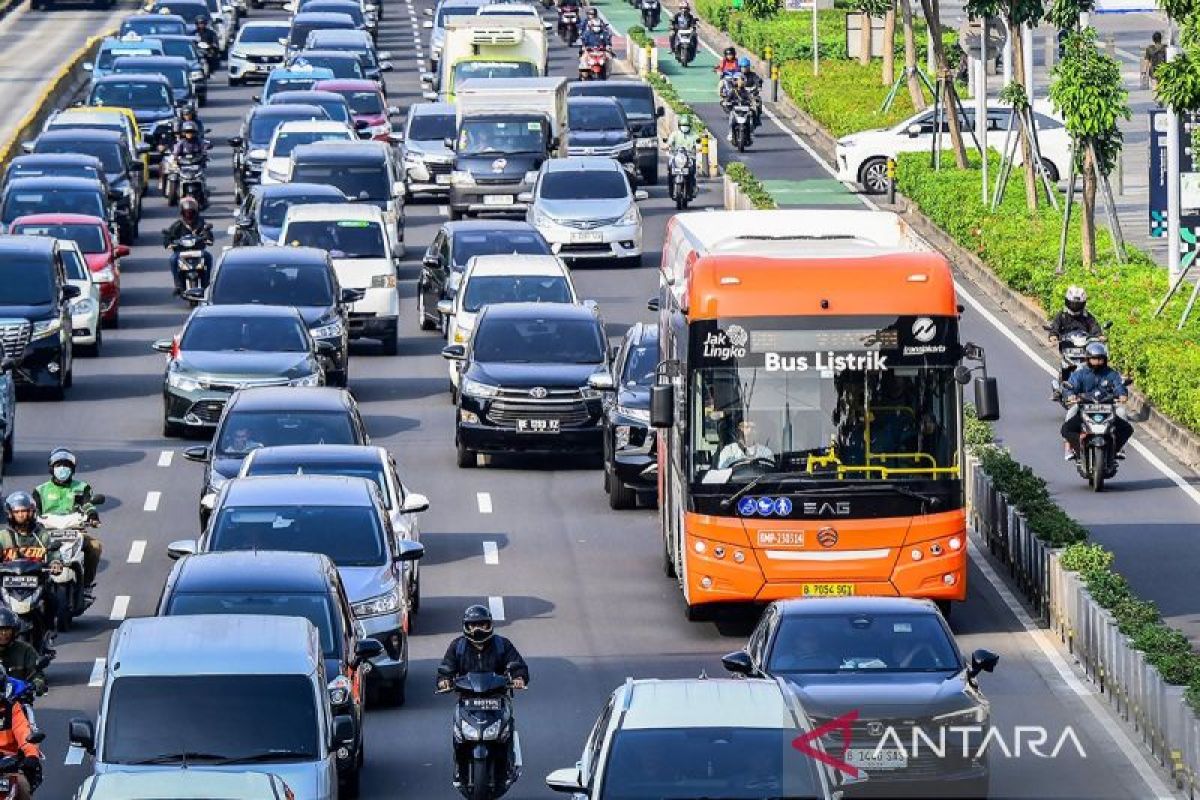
[[763, 9], [1087, 89]]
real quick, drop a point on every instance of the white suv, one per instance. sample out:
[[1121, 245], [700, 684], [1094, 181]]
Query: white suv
[[699, 737], [862, 157], [294, 133]]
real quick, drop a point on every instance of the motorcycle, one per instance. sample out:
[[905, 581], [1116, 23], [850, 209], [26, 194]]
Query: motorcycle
[[682, 166], [741, 124], [1098, 455], [68, 584], [593, 64], [487, 750], [191, 263], [568, 23], [23, 588], [10, 768], [685, 46], [185, 178], [1071, 355], [651, 14]]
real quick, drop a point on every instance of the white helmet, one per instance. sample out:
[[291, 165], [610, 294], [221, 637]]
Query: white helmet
[[1075, 299]]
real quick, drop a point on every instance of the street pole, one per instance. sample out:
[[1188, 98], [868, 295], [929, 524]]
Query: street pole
[[1173, 233], [981, 107]]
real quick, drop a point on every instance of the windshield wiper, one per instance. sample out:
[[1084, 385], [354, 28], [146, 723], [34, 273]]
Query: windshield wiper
[[933, 501], [878, 488], [171, 758], [774, 476], [268, 755]]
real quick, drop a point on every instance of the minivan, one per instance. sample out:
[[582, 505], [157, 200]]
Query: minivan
[[305, 23], [253, 689], [35, 312], [366, 172]]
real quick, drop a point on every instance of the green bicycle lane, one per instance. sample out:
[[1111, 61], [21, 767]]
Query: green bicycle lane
[[792, 176]]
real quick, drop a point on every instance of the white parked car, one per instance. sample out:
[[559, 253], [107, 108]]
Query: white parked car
[[257, 50], [184, 784], [355, 235], [586, 208], [862, 157], [85, 309], [489, 280], [294, 133]]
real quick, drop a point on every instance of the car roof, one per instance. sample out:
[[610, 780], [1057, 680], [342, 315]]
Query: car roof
[[345, 55], [598, 88], [321, 16], [130, 77], [349, 84], [245, 310], [53, 182], [259, 255], [591, 100], [320, 454], [60, 219], [582, 164], [276, 190], [314, 125], [307, 490], [152, 61], [508, 264], [488, 225], [67, 133], [15, 243], [340, 151], [299, 96], [854, 605], [286, 109], [285, 399], [266, 23], [334, 211], [138, 17], [555, 311], [354, 36], [57, 158], [706, 703], [430, 109], [258, 571], [182, 784], [214, 644]]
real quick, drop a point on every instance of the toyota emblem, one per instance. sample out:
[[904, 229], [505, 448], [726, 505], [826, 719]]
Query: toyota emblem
[[499, 164], [827, 537], [875, 728], [538, 393]]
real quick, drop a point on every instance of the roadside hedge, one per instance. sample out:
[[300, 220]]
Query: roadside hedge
[[638, 34], [1021, 250], [740, 174], [667, 92], [846, 96]]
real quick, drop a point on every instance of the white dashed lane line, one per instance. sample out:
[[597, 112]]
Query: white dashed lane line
[[137, 550], [97, 676], [496, 606], [491, 553], [152, 499], [74, 756], [120, 608], [164, 458], [485, 502]]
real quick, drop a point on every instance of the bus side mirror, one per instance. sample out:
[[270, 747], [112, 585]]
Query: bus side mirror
[[662, 405], [987, 399]]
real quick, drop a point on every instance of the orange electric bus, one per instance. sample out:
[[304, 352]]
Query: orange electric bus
[[809, 407]]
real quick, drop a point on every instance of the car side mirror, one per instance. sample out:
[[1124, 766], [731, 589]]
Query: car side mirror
[[163, 345], [641, 194], [180, 548], [982, 661], [662, 405], [80, 733], [601, 382], [738, 662], [70, 292], [410, 551], [567, 781], [393, 111], [27, 147], [660, 111], [199, 454], [414, 503], [366, 649], [122, 250], [88, 67], [454, 352], [256, 98], [445, 307], [343, 731], [195, 293], [525, 197], [652, 304], [352, 295], [987, 399], [328, 349], [430, 260], [914, 130]]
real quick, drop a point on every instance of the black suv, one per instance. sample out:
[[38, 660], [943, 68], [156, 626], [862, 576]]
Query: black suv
[[250, 146], [598, 127], [630, 452], [25, 196], [637, 100], [526, 383], [35, 312], [121, 172]]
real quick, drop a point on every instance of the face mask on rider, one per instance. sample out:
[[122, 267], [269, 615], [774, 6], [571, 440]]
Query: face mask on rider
[[62, 473]]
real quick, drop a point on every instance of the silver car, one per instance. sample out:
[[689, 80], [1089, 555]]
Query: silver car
[[446, 10], [586, 208], [428, 162]]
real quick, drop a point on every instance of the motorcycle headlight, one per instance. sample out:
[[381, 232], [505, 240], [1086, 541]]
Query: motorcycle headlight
[[328, 331], [387, 603], [680, 160], [307, 380], [47, 327], [1098, 417], [105, 275], [468, 730], [84, 305], [339, 690], [473, 388], [640, 414], [463, 177], [632, 216], [492, 731], [975, 715], [647, 141], [183, 383]]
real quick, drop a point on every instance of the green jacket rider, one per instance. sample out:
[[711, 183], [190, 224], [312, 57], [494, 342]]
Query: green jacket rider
[[24, 532], [66, 494], [19, 658]]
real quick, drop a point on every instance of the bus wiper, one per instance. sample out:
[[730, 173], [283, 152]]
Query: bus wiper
[[931, 499], [774, 476]]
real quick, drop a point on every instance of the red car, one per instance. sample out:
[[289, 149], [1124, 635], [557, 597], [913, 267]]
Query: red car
[[368, 110], [97, 245]]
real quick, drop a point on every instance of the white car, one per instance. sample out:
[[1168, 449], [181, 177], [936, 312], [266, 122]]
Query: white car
[[862, 157], [294, 133], [513, 10], [256, 51], [184, 784], [586, 208], [85, 309], [356, 237], [489, 280]]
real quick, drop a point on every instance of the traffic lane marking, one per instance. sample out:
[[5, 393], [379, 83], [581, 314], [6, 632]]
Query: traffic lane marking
[[152, 499], [165, 457], [496, 606], [97, 676], [137, 551], [491, 553], [120, 608], [484, 499]]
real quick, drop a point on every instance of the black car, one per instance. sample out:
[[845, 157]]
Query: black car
[[334, 104], [455, 244], [895, 662], [525, 381], [299, 277], [190, 10], [374, 63], [35, 312], [641, 114], [121, 172], [54, 165], [286, 584], [250, 146], [343, 64], [630, 451], [177, 71], [151, 100], [185, 47], [598, 127], [24, 196], [270, 416], [260, 219]]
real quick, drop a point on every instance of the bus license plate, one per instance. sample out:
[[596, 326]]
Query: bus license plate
[[867, 759], [827, 590], [537, 426], [497, 199], [777, 538]]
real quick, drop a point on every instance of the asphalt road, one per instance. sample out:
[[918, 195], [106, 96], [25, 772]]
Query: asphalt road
[[580, 586]]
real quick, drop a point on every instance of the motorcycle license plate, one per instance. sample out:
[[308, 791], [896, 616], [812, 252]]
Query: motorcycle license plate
[[1073, 352], [497, 199], [66, 535], [587, 237], [1097, 409], [442, 179], [482, 703], [19, 581], [537, 426]]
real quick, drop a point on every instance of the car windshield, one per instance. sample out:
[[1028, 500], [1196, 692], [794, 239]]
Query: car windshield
[[466, 70], [346, 238], [507, 136], [285, 143], [176, 76], [272, 210], [579, 185], [338, 110], [25, 283], [264, 123], [468, 244], [132, 94], [365, 182], [215, 334], [316, 608], [446, 12], [189, 11], [431, 127], [147, 27], [77, 269], [107, 57], [636, 100], [641, 365], [108, 153], [20, 203], [266, 34], [352, 536], [372, 471], [244, 431], [289, 83], [273, 284], [342, 68], [350, 10], [229, 718], [181, 48], [89, 238], [594, 116], [18, 170], [539, 341], [363, 102], [486, 290], [726, 763], [862, 642]]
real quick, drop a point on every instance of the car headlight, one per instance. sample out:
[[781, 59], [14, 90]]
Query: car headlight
[[307, 380], [463, 177], [541, 218], [183, 383], [975, 715], [588, 393], [339, 691], [84, 305], [257, 154], [387, 603], [197, 74], [640, 414], [623, 148], [632, 216], [242, 54], [278, 175], [328, 331], [47, 327], [413, 158], [621, 433], [531, 176], [473, 388], [105, 275]]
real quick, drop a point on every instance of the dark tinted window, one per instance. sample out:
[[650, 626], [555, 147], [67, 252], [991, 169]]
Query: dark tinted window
[[227, 717], [189, 11], [361, 181], [134, 94], [265, 121], [20, 203], [273, 284], [90, 238], [579, 185], [316, 608], [640, 365], [176, 76], [109, 153], [446, 12], [348, 238], [432, 127], [25, 281], [76, 267], [594, 116], [180, 48], [347, 67], [522, 341], [363, 102], [146, 27], [107, 57], [637, 101], [486, 290], [252, 34], [352, 536], [863, 642], [244, 431], [272, 210], [466, 70], [52, 170], [285, 143], [215, 334], [372, 471], [467, 244]]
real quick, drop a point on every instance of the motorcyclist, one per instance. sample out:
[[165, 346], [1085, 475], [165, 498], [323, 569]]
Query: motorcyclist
[[683, 137], [15, 732], [738, 95], [683, 18], [1075, 317], [596, 33], [212, 54], [754, 84], [24, 536], [66, 494], [1095, 375], [190, 223], [190, 144], [17, 657], [728, 62]]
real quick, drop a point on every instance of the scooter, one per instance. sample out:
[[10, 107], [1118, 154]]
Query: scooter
[[568, 22], [651, 14], [593, 64], [10, 768], [68, 584], [1071, 355], [682, 164], [487, 750], [190, 180], [685, 46], [742, 126], [191, 264], [23, 587], [1098, 456]]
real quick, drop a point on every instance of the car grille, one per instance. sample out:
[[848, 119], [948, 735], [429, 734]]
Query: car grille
[[924, 761], [493, 180], [436, 168], [233, 386], [565, 405], [567, 249], [265, 59], [14, 336], [589, 224], [207, 411]]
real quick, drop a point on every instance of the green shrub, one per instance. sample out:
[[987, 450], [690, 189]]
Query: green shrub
[[667, 92], [740, 174], [638, 34], [846, 96]]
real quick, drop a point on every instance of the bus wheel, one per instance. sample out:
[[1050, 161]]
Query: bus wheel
[[700, 613], [668, 560]]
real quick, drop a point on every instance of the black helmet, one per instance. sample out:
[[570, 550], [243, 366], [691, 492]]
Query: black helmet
[[201, 21], [189, 208], [62, 456], [730, 52], [6, 688], [8, 619], [477, 624]]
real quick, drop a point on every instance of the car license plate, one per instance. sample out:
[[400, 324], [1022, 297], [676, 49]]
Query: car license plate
[[442, 179], [482, 703], [827, 590], [776, 538], [867, 759], [497, 199], [537, 425], [587, 237], [20, 581]]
